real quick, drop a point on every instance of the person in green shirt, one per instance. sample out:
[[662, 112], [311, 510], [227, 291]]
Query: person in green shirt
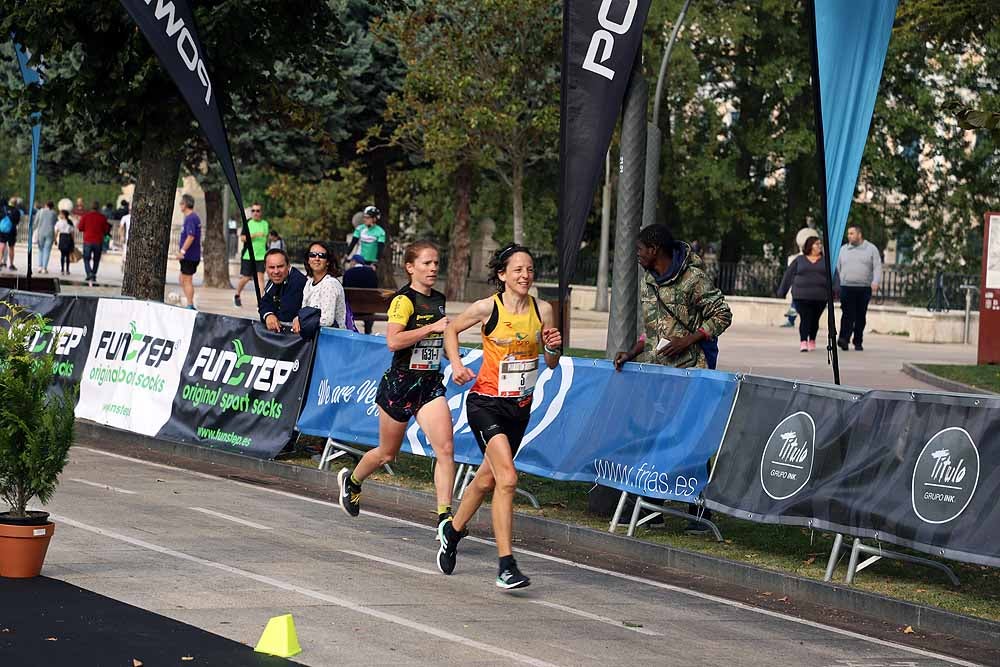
[[258, 236], [370, 235]]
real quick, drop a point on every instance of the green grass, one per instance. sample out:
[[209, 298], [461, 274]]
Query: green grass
[[980, 377], [782, 548]]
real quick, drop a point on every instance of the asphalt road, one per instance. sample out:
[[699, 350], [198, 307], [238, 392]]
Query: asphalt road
[[225, 556]]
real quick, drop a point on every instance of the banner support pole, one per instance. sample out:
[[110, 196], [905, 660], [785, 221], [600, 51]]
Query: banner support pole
[[821, 163]]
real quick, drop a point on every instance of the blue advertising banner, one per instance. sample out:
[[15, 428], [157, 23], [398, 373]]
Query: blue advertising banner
[[648, 430]]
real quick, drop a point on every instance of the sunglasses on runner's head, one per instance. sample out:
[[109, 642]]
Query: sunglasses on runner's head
[[318, 255]]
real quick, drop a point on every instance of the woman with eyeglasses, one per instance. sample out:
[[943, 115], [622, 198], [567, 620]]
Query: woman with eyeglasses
[[515, 329], [413, 386], [323, 290]]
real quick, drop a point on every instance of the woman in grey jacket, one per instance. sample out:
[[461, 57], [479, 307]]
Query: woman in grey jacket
[[806, 276]]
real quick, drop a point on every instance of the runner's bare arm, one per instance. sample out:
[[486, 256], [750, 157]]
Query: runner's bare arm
[[398, 339], [477, 313], [551, 337]]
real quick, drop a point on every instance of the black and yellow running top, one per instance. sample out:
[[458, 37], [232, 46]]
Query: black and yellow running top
[[414, 310]]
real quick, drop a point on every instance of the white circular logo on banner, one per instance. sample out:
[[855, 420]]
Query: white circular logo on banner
[[945, 476], [787, 461]]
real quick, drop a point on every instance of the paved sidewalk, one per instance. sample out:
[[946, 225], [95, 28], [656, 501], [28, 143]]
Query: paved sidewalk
[[746, 348]]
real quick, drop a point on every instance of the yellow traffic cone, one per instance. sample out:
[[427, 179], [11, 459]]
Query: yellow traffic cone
[[279, 638]]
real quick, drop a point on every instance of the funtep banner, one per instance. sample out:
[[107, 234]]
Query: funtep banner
[[67, 335], [600, 41], [137, 351], [917, 469], [241, 387], [648, 430]]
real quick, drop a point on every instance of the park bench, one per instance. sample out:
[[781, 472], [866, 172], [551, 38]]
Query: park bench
[[369, 303]]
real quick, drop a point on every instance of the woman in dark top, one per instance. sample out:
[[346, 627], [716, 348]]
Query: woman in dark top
[[806, 276]]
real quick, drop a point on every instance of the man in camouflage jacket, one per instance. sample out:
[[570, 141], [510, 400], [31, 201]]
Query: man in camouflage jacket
[[680, 305]]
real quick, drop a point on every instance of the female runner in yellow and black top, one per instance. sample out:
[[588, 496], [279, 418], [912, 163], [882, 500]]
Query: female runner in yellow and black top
[[515, 328], [413, 385]]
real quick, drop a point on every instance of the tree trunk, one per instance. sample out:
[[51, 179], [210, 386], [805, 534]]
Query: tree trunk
[[458, 247], [152, 210], [213, 247], [378, 186], [517, 192]]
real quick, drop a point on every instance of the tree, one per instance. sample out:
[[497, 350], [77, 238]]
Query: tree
[[483, 83], [140, 119]]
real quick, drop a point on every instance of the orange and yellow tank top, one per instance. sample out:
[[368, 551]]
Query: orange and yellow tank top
[[510, 352]]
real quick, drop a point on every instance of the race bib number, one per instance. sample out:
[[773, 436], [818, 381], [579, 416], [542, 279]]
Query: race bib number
[[426, 355], [517, 378]]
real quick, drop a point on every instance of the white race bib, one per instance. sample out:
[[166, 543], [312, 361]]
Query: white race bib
[[426, 355], [517, 378]]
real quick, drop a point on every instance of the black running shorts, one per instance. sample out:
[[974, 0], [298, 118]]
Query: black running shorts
[[402, 393], [248, 268], [188, 267], [491, 415]]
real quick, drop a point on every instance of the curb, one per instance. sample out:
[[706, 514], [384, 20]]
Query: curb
[[635, 552], [918, 373]]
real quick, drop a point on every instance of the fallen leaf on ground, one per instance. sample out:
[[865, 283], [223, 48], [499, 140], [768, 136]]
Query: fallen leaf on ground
[[135, 661], [921, 590], [784, 599], [187, 658], [908, 630], [809, 561], [768, 593], [631, 624], [51, 639]]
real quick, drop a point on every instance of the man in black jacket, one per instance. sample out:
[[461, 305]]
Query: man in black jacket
[[282, 298]]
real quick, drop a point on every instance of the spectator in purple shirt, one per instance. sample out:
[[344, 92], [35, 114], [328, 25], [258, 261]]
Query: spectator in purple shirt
[[190, 250]]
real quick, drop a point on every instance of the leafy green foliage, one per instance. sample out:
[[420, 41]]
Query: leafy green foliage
[[36, 427]]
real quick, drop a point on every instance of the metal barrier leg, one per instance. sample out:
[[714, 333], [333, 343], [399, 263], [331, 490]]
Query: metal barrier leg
[[618, 512], [470, 472], [877, 553], [531, 498], [458, 477], [852, 565], [635, 516], [831, 565], [334, 450]]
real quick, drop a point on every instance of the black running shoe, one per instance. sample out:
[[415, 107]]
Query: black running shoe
[[512, 578], [237, 301], [842, 344], [448, 551], [350, 495]]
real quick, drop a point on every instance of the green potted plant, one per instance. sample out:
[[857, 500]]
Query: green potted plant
[[36, 432]]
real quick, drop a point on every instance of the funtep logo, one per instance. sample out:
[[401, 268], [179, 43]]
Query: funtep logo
[[236, 368], [57, 340], [787, 462], [132, 346], [945, 476]]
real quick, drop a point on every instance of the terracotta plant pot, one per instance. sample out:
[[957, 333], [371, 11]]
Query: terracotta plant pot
[[23, 547]]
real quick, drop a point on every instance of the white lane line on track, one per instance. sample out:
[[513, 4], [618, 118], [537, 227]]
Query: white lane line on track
[[595, 617], [102, 486], [394, 563], [307, 592], [590, 568], [227, 517]]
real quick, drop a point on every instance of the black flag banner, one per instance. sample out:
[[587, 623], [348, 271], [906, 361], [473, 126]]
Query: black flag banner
[[916, 469], [600, 41], [169, 27]]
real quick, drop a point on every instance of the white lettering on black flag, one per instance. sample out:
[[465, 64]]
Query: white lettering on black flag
[[169, 27], [600, 42]]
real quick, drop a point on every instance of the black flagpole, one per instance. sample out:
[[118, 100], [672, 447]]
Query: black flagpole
[[831, 345]]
